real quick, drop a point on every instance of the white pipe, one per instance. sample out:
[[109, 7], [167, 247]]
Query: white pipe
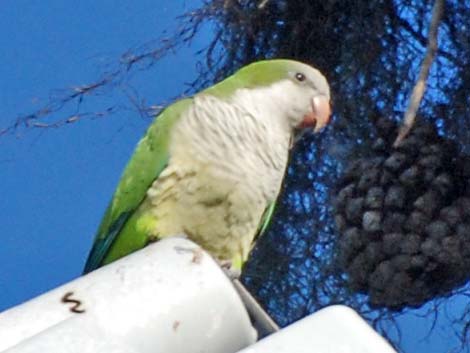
[[168, 297], [74, 335], [335, 329]]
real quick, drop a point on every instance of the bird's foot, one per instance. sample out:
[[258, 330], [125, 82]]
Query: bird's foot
[[181, 235], [230, 271]]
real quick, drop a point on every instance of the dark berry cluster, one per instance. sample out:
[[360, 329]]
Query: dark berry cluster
[[403, 216]]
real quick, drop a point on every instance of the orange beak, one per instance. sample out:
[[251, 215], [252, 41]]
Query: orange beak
[[319, 117]]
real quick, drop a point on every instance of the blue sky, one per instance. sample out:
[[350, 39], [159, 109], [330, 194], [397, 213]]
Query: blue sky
[[56, 183]]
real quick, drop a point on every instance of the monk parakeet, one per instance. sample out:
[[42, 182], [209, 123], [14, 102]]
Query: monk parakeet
[[211, 166]]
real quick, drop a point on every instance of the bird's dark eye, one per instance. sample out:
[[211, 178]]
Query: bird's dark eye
[[300, 77]]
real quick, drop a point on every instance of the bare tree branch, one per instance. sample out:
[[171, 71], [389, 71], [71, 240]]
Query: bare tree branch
[[420, 86], [136, 59]]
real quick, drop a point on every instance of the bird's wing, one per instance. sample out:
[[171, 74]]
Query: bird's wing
[[148, 161]]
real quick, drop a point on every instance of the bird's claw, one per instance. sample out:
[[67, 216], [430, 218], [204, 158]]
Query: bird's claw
[[231, 272]]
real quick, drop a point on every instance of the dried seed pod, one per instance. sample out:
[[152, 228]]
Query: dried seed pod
[[360, 268], [416, 222], [418, 264], [395, 197], [463, 231], [451, 215], [431, 161], [451, 250], [371, 221], [386, 178], [437, 230], [443, 183], [352, 239], [382, 275], [433, 149], [354, 170], [373, 252], [430, 248], [392, 243], [410, 244], [374, 198], [464, 205], [354, 209], [396, 161], [344, 195], [340, 222], [410, 177], [410, 145], [393, 222], [401, 262], [402, 217], [428, 203], [368, 179]]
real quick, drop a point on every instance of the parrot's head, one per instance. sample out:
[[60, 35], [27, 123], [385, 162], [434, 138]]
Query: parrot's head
[[295, 91], [307, 97]]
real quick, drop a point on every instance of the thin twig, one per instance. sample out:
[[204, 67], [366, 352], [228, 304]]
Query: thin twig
[[137, 59], [420, 86], [262, 4]]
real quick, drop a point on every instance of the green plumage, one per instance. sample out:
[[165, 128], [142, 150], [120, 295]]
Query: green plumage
[[149, 159], [123, 230]]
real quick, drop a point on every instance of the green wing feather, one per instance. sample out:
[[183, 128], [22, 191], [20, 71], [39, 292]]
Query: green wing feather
[[148, 161], [266, 219]]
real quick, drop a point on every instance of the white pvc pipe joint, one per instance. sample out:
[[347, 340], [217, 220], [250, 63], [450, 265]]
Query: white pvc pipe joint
[[335, 329], [169, 297]]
